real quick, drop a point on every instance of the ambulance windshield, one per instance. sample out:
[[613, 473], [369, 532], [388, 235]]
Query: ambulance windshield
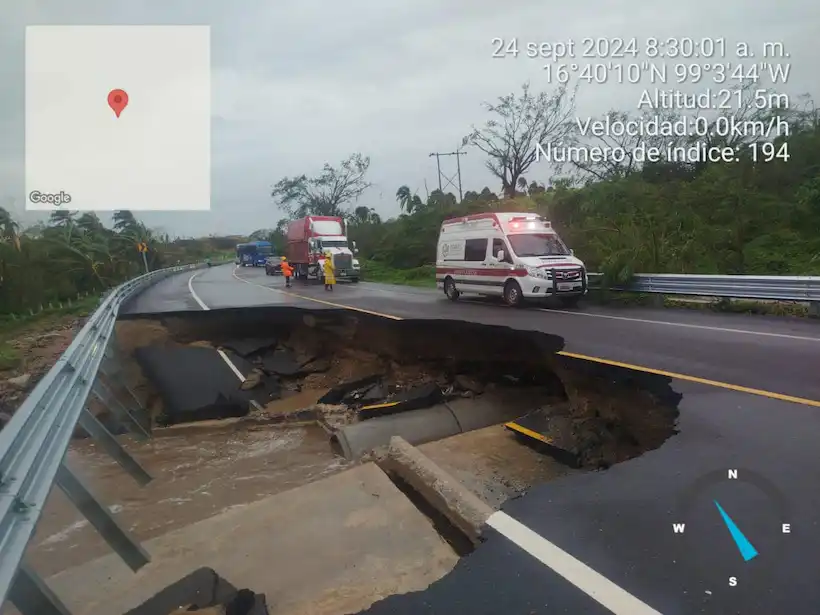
[[537, 244]]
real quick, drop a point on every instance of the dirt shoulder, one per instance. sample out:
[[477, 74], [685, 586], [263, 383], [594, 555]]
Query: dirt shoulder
[[29, 348]]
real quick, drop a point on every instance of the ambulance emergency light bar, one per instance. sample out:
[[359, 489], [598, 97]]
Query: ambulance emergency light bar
[[528, 222]]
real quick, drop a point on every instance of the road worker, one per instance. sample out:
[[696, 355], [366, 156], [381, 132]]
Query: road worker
[[287, 271], [330, 271]]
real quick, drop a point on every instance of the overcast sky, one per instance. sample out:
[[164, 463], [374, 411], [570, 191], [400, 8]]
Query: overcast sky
[[297, 83]]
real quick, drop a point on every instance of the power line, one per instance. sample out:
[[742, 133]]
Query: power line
[[449, 180]]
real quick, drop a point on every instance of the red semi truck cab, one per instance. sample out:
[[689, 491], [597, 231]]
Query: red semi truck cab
[[309, 238]]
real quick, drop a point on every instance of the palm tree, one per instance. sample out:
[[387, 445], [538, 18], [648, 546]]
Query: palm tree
[[89, 222], [405, 199], [61, 217], [124, 220], [9, 229]]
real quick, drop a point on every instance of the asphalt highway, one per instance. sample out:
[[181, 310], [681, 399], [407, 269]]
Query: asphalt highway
[[605, 542]]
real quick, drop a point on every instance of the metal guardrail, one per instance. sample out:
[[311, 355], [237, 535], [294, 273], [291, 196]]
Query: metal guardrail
[[765, 287], [34, 442]]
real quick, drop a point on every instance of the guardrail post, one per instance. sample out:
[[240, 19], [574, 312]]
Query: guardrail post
[[124, 415], [814, 309], [117, 537], [31, 596], [112, 370], [109, 443]]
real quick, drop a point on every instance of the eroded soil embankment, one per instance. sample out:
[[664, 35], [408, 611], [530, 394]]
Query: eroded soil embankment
[[604, 414]]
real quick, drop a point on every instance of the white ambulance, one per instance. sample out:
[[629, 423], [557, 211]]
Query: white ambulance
[[517, 256]]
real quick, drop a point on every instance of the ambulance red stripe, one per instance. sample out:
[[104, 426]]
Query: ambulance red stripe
[[480, 271]]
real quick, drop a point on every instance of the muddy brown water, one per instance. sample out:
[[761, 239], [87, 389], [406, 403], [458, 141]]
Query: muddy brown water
[[196, 475]]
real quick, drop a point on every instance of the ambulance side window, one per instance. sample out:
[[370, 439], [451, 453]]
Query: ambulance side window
[[499, 244], [475, 250]]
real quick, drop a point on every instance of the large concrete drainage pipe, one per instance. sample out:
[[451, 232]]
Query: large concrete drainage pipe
[[426, 425]]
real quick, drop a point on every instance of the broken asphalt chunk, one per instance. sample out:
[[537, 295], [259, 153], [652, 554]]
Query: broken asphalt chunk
[[203, 591], [414, 398], [374, 393], [194, 383], [282, 362], [252, 345], [337, 394], [553, 435]]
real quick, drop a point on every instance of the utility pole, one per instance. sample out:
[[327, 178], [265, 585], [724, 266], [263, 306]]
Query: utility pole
[[458, 154], [438, 166]]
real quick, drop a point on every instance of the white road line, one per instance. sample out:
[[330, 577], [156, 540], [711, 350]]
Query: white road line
[[687, 325], [205, 307], [594, 585], [193, 293], [233, 367]]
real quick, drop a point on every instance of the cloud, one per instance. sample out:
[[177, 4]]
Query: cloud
[[297, 83]]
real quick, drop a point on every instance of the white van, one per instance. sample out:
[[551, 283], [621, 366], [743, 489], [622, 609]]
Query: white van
[[516, 256]]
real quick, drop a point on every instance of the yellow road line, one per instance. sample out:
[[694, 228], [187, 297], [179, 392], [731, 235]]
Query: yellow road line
[[575, 355], [389, 404], [528, 432], [330, 303], [714, 383]]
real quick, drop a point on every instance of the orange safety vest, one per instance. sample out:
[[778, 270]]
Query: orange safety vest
[[287, 270]]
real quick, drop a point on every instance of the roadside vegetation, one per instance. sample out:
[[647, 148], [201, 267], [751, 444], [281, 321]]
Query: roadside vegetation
[[748, 217], [54, 274], [376, 271], [63, 266]]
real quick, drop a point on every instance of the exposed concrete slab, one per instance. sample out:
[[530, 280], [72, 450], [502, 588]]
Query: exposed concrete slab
[[327, 548], [463, 508], [493, 464]]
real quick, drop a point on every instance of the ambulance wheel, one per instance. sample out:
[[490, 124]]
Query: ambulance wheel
[[512, 294], [450, 290]]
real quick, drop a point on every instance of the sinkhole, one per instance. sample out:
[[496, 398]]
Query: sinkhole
[[364, 378]]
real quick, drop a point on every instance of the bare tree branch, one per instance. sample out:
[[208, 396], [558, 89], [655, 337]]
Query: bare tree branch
[[326, 194], [521, 123]]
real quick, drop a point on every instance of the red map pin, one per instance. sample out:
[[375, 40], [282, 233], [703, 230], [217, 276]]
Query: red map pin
[[117, 100]]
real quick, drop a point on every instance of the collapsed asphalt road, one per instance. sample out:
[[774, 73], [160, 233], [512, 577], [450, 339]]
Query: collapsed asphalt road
[[605, 541], [422, 380]]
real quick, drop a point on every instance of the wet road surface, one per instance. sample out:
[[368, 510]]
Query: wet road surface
[[605, 541]]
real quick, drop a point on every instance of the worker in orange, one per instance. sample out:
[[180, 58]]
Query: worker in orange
[[287, 271], [330, 271]]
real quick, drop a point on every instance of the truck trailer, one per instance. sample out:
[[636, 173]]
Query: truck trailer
[[309, 238], [253, 254]]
